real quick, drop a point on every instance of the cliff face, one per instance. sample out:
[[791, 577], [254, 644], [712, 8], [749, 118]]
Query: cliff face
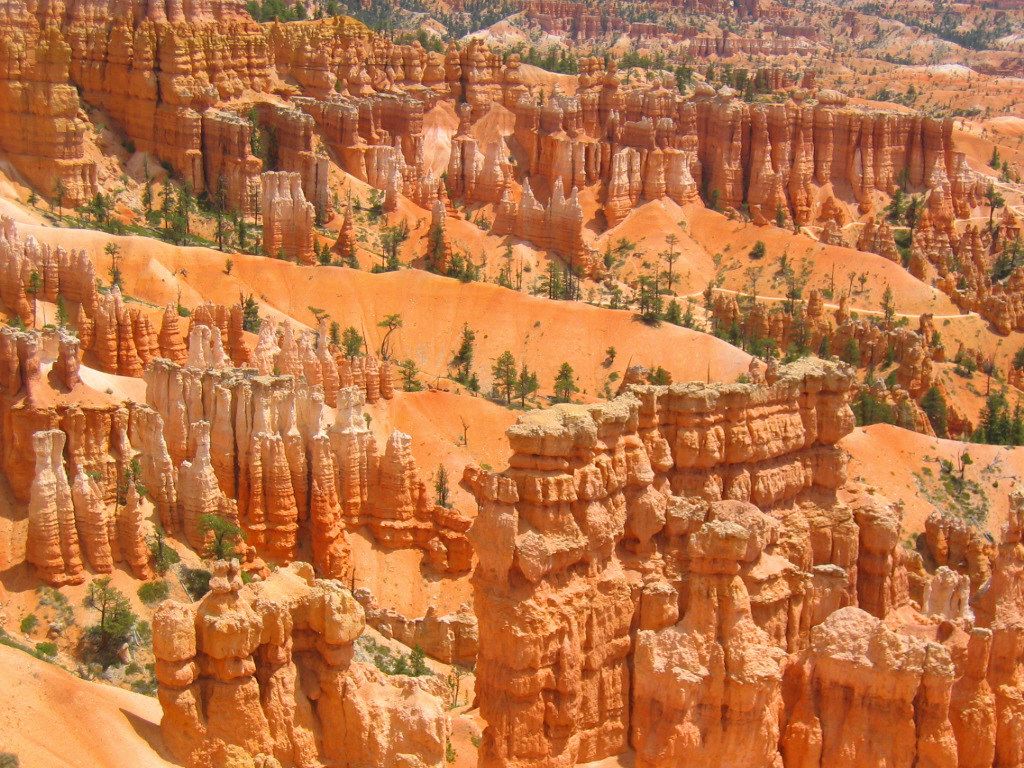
[[638, 514], [650, 564], [259, 448], [66, 452], [70, 277], [166, 77], [31, 402], [40, 128], [266, 671], [287, 218]]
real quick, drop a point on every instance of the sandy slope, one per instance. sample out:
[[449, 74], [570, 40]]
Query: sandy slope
[[887, 459], [434, 309], [735, 239], [51, 719]]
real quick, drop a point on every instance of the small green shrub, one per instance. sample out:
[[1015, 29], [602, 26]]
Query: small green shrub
[[46, 649], [412, 664], [60, 604], [153, 592], [8, 760], [29, 623]]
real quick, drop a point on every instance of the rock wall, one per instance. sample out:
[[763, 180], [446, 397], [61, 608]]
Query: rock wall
[[449, 638], [266, 672], [41, 131], [672, 573], [287, 218], [259, 448], [600, 526], [69, 277], [557, 226], [230, 168], [33, 401], [67, 453]]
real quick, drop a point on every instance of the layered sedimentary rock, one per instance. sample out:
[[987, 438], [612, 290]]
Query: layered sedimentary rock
[[31, 401], [632, 596], [68, 277], [450, 638], [259, 448], [293, 148], [41, 130], [602, 521], [266, 672], [955, 543], [53, 546], [287, 218], [70, 524], [865, 694], [155, 71], [837, 334], [557, 226], [232, 171], [119, 335]]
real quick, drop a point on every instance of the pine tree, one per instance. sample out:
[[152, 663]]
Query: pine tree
[[851, 355], [888, 307], [410, 376], [526, 384], [250, 313], [352, 342], [224, 536], [442, 492], [565, 384], [504, 373], [674, 313], [934, 406], [462, 362]]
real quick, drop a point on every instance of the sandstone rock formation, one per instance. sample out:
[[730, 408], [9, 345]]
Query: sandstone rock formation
[[53, 546], [449, 638], [64, 276], [259, 449], [632, 596], [603, 520], [287, 218], [31, 401], [266, 672]]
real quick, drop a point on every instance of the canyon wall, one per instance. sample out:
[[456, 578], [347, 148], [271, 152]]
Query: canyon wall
[[266, 671], [649, 564], [260, 446]]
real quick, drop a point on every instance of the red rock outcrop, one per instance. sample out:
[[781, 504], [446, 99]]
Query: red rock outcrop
[[266, 671], [865, 694], [623, 604], [231, 170], [557, 226], [64, 276], [449, 638], [68, 520], [604, 519], [119, 335], [53, 546], [41, 130], [953, 542], [32, 402], [287, 218], [261, 443]]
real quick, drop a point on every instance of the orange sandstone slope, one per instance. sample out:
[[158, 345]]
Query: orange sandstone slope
[[52, 719], [542, 333], [903, 466]]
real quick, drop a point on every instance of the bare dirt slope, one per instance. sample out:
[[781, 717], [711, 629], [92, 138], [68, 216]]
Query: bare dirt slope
[[51, 719], [542, 333], [903, 466]]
